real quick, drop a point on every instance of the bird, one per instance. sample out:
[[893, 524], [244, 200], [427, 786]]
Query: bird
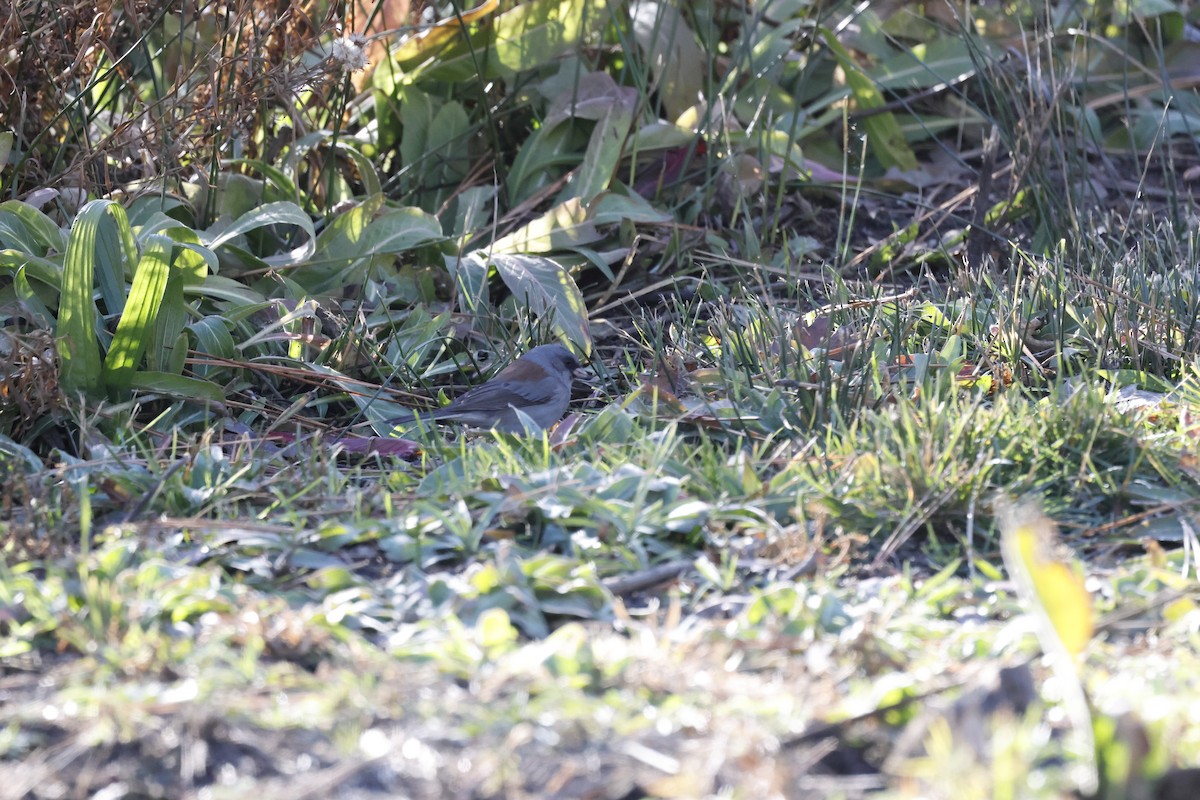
[[538, 384]]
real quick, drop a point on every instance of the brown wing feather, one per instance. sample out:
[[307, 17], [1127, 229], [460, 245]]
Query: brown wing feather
[[518, 378]]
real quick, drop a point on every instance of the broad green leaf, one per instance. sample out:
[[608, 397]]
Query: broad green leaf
[[386, 85], [547, 289], [16, 236], [194, 257], [145, 299], [540, 160], [596, 97], [342, 238], [473, 210], [367, 173], [433, 41], [148, 212], [570, 225], [226, 289], [942, 61], [494, 632], [446, 162], [175, 357], [527, 36], [434, 146], [769, 52], [780, 147], [238, 313], [355, 239], [535, 33], [194, 262], [237, 260], [99, 235], [178, 386], [191, 265], [30, 301], [15, 453], [582, 257], [168, 344], [39, 269], [397, 230], [213, 337], [238, 195], [563, 226], [157, 222], [280, 213], [660, 135], [470, 275], [43, 236], [116, 253], [298, 151], [612, 208], [291, 290], [552, 148], [241, 192], [1130, 10], [678, 64], [304, 310], [763, 97], [298, 158], [416, 118], [884, 137]]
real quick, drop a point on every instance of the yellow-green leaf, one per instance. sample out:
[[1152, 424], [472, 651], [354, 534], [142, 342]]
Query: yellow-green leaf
[[94, 248], [1046, 582], [145, 299], [884, 135]]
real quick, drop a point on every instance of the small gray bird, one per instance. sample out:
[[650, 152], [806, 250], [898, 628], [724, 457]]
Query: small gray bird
[[538, 384]]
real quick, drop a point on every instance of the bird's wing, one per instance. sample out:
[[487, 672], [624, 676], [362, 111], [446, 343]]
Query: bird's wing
[[530, 382], [497, 395]]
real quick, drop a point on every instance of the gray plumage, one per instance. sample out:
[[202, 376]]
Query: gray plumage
[[538, 383]]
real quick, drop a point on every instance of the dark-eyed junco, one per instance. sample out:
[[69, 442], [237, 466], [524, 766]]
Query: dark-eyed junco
[[538, 384]]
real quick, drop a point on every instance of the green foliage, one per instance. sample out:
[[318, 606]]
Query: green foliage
[[845, 274]]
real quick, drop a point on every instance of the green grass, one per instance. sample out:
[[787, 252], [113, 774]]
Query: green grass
[[831, 337]]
